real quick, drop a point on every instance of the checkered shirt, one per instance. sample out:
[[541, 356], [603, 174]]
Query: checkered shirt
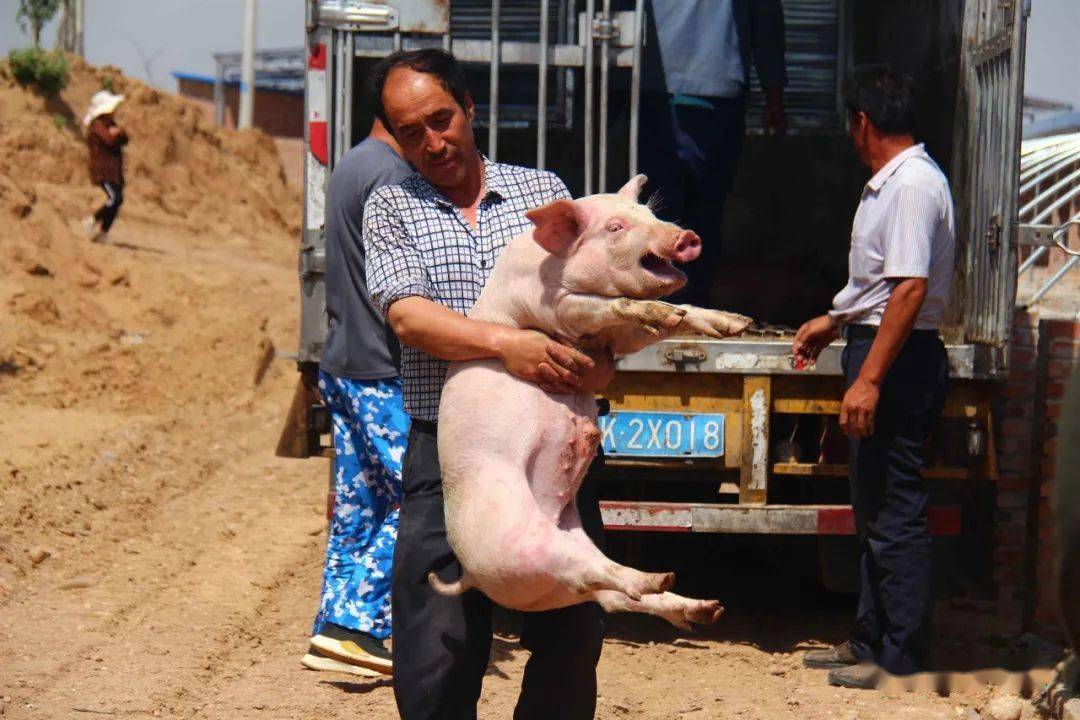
[[419, 243]]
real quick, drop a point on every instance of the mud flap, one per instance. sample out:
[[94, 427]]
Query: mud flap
[[299, 436]]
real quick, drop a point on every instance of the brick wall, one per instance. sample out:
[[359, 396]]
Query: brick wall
[[1059, 357], [1045, 353], [276, 113]]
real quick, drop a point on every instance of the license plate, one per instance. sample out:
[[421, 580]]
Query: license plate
[[662, 434]]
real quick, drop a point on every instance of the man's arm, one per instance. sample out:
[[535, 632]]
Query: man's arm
[[913, 222], [110, 133], [767, 48], [813, 337], [448, 335], [860, 402], [768, 42]]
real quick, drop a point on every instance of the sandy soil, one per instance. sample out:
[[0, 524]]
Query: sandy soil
[[156, 559]]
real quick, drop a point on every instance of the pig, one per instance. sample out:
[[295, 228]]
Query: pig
[[590, 274]]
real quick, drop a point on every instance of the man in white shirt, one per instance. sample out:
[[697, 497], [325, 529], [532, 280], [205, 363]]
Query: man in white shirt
[[900, 267]]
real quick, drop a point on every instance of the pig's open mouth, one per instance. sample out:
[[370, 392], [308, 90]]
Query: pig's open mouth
[[661, 266]]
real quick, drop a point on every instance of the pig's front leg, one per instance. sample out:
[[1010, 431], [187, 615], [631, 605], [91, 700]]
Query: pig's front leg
[[713, 323], [592, 315]]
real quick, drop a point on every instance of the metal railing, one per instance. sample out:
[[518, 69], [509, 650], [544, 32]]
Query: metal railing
[[1050, 172]]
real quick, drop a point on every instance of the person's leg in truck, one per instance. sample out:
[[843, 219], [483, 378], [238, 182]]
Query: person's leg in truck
[[370, 428], [689, 148], [710, 142]]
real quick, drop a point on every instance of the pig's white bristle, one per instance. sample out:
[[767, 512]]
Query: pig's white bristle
[[655, 201]]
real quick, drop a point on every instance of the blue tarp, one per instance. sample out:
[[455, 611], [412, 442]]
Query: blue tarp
[[288, 83]]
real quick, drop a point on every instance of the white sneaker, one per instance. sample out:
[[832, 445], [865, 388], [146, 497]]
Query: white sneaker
[[318, 662], [355, 648], [90, 227]]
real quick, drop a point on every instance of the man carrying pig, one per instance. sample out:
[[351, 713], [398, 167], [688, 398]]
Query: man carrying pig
[[432, 242]]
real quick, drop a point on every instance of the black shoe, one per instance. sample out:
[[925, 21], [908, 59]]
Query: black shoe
[[864, 676], [835, 657]]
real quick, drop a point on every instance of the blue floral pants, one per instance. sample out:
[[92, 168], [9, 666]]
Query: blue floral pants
[[370, 429]]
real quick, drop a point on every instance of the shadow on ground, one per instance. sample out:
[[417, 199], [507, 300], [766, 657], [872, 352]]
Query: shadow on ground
[[776, 601]]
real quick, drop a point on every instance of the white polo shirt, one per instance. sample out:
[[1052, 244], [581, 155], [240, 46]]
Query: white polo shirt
[[902, 229]]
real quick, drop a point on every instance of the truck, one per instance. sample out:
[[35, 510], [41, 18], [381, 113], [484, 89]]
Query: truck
[[723, 436]]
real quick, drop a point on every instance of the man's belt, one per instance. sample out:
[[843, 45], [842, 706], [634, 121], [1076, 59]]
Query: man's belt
[[856, 332]]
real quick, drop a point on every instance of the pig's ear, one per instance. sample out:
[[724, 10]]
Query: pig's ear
[[558, 225], [632, 189]]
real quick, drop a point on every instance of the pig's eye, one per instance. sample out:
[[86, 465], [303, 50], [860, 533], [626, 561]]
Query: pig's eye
[[615, 226]]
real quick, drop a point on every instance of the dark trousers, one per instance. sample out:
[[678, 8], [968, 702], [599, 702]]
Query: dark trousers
[[106, 214], [689, 153], [442, 644], [889, 497]]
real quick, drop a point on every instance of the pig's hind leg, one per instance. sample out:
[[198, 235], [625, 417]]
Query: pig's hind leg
[[678, 610], [582, 569], [581, 566]]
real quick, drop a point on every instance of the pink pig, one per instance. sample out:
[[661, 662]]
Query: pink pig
[[513, 456]]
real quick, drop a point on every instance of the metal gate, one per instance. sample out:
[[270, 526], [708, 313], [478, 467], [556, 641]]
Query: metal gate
[[992, 76], [538, 34]]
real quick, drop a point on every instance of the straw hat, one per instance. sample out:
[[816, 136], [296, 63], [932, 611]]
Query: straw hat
[[103, 103]]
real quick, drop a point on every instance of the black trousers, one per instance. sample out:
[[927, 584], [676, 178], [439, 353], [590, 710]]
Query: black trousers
[[889, 497], [442, 644], [689, 154], [106, 214]]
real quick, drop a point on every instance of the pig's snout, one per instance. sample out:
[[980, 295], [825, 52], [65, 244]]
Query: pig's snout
[[687, 246]]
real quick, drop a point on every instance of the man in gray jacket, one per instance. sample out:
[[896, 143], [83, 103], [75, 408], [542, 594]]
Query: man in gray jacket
[[693, 110]]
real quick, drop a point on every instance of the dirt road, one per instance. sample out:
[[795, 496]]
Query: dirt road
[[156, 560], [178, 560]]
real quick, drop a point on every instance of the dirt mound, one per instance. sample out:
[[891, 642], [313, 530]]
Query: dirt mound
[[189, 184], [180, 169]]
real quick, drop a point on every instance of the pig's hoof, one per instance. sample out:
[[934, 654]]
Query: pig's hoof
[[687, 613], [706, 612], [653, 316], [658, 582], [713, 323], [637, 584]]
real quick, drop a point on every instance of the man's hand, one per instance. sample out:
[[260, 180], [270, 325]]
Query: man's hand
[[774, 119], [533, 356], [858, 409], [813, 337]]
